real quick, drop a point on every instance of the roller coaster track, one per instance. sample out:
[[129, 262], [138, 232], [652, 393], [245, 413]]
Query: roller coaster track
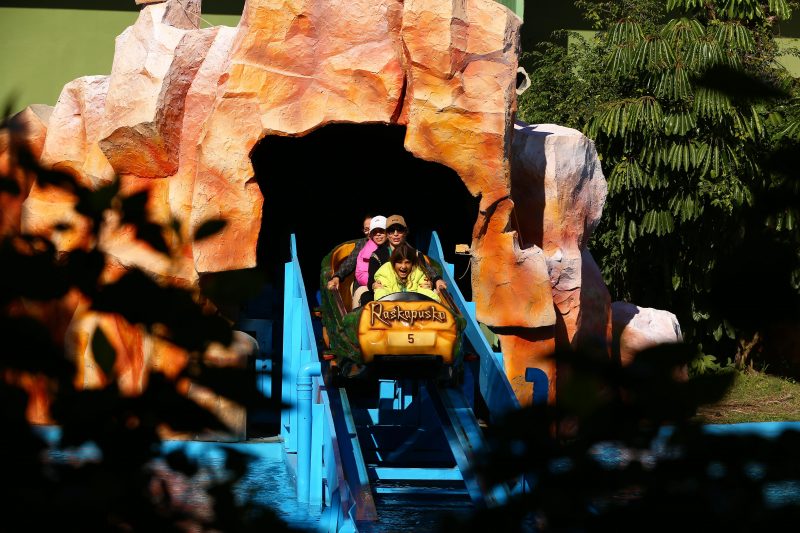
[[346, 446]]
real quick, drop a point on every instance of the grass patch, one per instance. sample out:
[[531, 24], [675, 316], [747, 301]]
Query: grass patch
[[755, 397]]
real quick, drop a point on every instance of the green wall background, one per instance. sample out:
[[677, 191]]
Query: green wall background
[[44, 44], [42, 49]]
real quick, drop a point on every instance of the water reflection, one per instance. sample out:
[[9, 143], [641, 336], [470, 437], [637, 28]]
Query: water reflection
[[267, 481], [414, 513]]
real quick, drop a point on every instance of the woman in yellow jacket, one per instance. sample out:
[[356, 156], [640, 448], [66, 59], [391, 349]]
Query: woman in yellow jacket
[[402, 273]]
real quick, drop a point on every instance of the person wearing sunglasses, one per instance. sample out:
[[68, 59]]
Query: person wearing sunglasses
[[348, 266], [377, 237], [396, 234]]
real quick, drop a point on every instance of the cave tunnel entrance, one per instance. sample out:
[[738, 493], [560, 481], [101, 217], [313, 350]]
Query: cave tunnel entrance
[[320, 186]]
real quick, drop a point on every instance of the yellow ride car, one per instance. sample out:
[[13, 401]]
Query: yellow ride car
[[402, 334]]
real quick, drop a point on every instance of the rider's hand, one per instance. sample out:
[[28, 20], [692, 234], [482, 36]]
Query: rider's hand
[[377, 285], [441, 285], [333, 284]]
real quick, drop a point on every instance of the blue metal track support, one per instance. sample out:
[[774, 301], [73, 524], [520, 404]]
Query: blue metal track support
[[493, 383], [320, 442], [465, 438], [352, 459], [319, 429]]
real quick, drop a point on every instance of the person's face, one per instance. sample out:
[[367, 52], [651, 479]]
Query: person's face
[[365, 229], [378, 236], [403, 268], [396, 234]]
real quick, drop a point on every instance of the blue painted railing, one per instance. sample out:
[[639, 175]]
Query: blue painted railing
[[307, 425], [494, 385], [492, 380], [309, 435]]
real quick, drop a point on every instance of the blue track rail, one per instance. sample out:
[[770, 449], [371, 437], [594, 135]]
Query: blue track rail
[[465, 438], [494, 386], [344, 447]]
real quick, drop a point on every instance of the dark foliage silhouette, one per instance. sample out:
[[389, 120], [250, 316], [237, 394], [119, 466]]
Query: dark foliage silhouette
[[622, 451], [106, 471], [695, 120]]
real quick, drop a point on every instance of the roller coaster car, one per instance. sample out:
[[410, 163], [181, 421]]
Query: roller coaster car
[[401, 335]]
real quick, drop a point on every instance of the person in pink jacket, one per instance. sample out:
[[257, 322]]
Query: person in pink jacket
[[376, 237]]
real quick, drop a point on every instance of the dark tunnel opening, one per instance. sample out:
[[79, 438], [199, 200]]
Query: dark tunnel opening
[[321, 185]]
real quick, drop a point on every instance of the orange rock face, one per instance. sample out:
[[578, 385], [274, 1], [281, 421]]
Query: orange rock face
[[531, 348], [182, 109], [558, 191], [511, 286], [462, 62], [28, 131]]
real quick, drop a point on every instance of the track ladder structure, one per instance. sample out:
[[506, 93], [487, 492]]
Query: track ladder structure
[[345, 446]]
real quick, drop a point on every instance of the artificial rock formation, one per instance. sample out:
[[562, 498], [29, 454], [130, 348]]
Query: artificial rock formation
[[29, 129], [183, 107], [639, 328], [558, 191]]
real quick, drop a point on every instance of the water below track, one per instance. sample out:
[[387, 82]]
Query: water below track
[[268, 481]]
